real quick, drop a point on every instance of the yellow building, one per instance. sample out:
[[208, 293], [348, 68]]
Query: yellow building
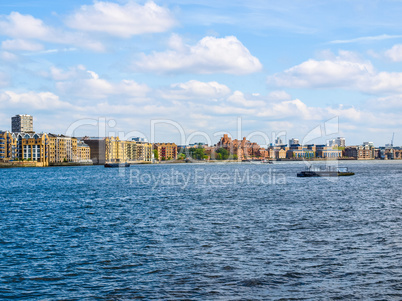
[[74, 155], [106, 150], [60, 149], [83, 153], [115, 150], [166, 151], [7, 146], [112, 149], [35, 147], [131, 151], [144, 151]]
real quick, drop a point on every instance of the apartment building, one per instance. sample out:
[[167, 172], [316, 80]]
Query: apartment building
[[166, 151], [131, 151], [60, 148], [21, 123], [7, 146], [360, 152], [35, 147], [83, 152], [144, 151], [243, 149], [108, 150]]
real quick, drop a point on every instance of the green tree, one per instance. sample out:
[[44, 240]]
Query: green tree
[[223, 154], [197, 153], [156, 154]]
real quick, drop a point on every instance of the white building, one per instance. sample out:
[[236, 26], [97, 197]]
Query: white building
[[21, 123], [293, 141]]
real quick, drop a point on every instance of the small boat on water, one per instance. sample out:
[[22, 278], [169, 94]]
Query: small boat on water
[[325, 171], [117, 165], [267, 161]]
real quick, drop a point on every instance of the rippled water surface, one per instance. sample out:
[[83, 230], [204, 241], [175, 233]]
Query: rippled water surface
[[202, 232]]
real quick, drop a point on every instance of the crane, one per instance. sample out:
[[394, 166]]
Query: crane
[[392, 140]]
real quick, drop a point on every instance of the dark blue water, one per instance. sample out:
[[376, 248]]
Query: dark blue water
[[233, 232]]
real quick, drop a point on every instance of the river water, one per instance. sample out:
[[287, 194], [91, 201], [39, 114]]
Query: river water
[[201, 232]]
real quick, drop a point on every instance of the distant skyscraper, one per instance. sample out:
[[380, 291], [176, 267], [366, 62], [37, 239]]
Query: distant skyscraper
[[21, 123], [293, 141], [339, 141], [278, 141]]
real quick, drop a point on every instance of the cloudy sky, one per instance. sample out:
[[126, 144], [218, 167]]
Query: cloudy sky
[[278, 66]]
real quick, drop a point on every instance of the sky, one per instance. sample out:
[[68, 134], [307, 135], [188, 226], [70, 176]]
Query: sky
[[189, 71]]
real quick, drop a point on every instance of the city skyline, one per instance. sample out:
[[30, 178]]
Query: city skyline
[[285, 67]]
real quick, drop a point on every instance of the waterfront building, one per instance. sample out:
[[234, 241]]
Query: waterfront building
[[74, 151], [83, 153], [62, 148], [327, 152], [166, 151], [388, 153], [397, 153], [144, 151], [21, 123], [24, 146], [277, 152], [114, 150], [293, 141], [7, 146], [243, 149], [297, 151], [35, 147], [361, 152], [97, 149], [131, 151]]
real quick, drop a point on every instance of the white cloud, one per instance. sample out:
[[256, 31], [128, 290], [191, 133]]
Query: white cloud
[[389, 103], [395, 53], [279, 95], [344, 71], [24, 27], [8, 56], [195, 89], [122, 20], [33, 100], [367, 39], [239, 98], [27, 27], [73, 72], [290, 108], [88, 84], [209, 55], [21, 45]]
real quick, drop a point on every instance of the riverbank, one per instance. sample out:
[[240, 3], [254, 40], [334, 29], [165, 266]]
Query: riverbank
[[21, 164]]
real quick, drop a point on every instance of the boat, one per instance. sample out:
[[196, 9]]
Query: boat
[[117, 165], [267, 161], [325, 171]]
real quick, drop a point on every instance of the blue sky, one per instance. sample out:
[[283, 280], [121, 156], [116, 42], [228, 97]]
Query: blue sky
[[283, 67]]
